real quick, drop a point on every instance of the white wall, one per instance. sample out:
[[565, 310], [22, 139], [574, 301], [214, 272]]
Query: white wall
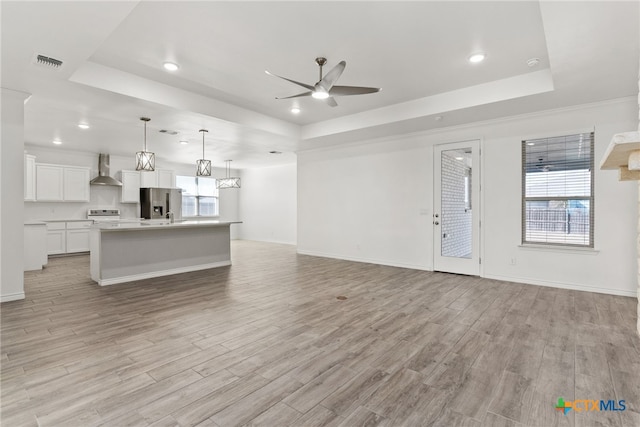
[[268, 204], [372, 201], [11, 186], [107, 196]]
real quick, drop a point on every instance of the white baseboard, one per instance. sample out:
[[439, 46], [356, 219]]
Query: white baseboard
[[366, 260], [142, 276], [12, 297], [523, 280], [279, 242], [561, 285]]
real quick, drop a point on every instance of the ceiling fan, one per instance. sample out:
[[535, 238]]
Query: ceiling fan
[[325, 88]]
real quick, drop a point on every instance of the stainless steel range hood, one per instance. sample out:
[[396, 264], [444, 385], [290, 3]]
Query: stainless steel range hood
[[103, 177]]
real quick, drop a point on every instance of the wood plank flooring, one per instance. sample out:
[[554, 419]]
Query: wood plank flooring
[[267, 342]]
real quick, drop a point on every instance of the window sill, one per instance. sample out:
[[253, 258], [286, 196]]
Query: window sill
[[559, 249], [201, 217]]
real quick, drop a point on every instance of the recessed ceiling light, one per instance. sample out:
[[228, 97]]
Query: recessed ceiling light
[[531, 143], [295, 110], [83, 126], [477, 57], [170, 66], [183, 142], [57, 141], [459, 158]]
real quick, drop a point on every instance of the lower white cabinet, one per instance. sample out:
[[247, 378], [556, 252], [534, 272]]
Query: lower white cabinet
[[68, 237], [56, 238]]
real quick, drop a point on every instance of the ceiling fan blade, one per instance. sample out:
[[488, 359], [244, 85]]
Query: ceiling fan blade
[[331, 102], [304, 85], [296, 96], [352, 90], [332, 76]]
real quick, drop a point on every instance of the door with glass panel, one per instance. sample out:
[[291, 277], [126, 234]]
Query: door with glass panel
[[456, 214]]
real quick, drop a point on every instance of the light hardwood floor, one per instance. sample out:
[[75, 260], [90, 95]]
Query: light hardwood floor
[[268, 342]]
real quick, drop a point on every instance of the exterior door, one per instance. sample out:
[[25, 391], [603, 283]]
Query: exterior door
[[456, 217]]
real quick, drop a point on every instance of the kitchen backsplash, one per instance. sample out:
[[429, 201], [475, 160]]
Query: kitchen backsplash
[[102, 197]]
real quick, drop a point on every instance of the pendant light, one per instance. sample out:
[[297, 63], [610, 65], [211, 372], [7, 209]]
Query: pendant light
[[203, 165], [229, 181], [145, 160]]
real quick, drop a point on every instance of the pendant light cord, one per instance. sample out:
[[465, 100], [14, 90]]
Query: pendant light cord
[[145, 120], [203, 132]]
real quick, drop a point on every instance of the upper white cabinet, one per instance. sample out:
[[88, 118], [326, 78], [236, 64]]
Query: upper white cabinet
[[130, 187], [76, 184], [166, 179], [29, 178], [160, 178], [57, 183], [49, 183]]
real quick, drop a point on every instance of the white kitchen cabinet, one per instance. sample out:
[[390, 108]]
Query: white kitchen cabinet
[[148, 179], [77, 240], [49, 183], [29, 178], [67, 237], [59, 183], [130, 186], [78, 236], [76, 184], [166, 179], [56, 238], [160, 178]]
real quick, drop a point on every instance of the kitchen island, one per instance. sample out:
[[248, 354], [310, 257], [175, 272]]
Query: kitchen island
[[128, 251]]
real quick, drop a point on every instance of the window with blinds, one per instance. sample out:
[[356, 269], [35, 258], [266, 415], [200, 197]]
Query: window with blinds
[[557, 190], [199, 196]]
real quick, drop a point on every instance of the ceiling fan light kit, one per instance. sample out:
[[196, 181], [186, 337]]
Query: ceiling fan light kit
[[145, 160], [325, 89], [203, 166]]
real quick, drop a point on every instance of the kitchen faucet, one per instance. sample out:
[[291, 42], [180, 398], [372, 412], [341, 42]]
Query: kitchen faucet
[[170, 217]]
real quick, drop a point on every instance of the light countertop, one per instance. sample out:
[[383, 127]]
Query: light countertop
[[35, 223], [63, 220], [160, 224]]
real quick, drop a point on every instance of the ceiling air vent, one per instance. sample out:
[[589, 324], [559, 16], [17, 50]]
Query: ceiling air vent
[[168, 132], [48, 62]]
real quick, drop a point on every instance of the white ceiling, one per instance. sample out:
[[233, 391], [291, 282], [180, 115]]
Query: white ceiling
[[415, 51]]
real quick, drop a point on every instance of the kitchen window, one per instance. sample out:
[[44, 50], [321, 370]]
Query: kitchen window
[[557, 190], [199, 196]]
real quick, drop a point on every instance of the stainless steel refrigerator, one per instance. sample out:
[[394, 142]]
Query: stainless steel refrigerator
[[156, 203]]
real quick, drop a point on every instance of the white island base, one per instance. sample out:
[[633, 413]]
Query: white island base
[[126, 252]]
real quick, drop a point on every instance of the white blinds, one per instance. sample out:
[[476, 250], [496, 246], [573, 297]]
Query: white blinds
[[557, 180]]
